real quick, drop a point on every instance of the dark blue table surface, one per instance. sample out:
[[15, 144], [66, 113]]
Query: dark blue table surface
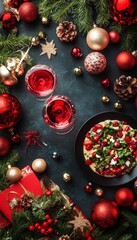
[[86, 92]]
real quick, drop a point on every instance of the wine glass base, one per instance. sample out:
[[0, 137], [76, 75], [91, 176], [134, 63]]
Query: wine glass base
[[64, 131]]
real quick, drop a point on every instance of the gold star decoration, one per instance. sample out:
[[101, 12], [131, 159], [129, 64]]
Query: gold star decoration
[[49, 49], [80, 222]]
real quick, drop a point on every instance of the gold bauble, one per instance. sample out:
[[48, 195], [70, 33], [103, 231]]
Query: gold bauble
[[97, 38], [13, 174], [39, 165], [78, 71], [42, 35], [45, 21], [35, 41], [11, 63], [118, 105], [105, 99], [66, 177], [99, 192]]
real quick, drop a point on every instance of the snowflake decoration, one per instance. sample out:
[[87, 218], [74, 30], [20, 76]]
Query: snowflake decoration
[[79, 222], [49, 49]]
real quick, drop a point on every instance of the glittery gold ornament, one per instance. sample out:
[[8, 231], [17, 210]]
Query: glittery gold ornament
[[78, 71], [99, 192], [105, 99], [35, 41], [118, 105], [45, 21], [39, 165], [66, 177], [97, 38], [13, 174]]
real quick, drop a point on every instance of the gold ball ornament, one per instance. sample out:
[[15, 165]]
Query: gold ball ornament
[[78, 71], [7, 77], [99, 192], [35, 41], [105, 99], [45, 21], [42, 35], [66, 177], [39, 165], [118, 105], [13, 174], [97, 38]]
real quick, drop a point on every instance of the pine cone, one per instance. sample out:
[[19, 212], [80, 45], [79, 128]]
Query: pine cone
[[125, 87], [64, 237], [66, 31]]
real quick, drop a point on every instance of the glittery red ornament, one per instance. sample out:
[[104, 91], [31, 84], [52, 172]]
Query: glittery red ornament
[[124, 197], [105, 82], [95, 63], [134, 206], [105, 213], [10, 110], [114, 36], [124, 12], [28, 12], [8, 20], [126, 60], [4, 146], [76, 52], [88, 188]]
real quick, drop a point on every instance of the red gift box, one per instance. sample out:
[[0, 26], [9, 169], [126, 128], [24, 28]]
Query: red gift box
[[28, 183]]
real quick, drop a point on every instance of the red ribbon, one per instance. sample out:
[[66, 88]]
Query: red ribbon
[[122, 4]]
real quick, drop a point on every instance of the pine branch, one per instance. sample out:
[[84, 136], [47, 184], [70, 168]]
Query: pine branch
[[13, 42], [83, 16], [103, 13], [128, 40]]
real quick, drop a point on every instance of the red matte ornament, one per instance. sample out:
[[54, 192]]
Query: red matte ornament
[[124, 197], [126, 60], [114, 36], [28, 12]]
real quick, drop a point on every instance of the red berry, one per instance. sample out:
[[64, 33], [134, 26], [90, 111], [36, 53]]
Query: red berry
[[47, 216], [135, 153], [49, 193], [50, 221], [88, 145], [117, 144], [31, 228], [97, 127], [37, 225], [50, 230], [43, 230], [120, 133], [96, 138], [76, 52], [88, 188], [115, 123], [45, 224], [56, 220]]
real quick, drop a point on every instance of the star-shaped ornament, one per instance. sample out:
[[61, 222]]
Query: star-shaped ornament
[[49, 49], [79, 222]]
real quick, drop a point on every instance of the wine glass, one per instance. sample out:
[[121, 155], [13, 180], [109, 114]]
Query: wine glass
[[41, 81], [59, 113]]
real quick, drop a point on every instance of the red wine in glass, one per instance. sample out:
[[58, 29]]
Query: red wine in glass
[[59, 113], [41, 81]]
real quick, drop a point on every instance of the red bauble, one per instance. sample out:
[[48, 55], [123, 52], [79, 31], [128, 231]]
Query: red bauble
[[28, 12], [76, 52], [105, 213], [10, 110], [105, 82], [134, 206], [126, 60], [4, 146], [8, 20], [88, 188], [124, 197], [114, 36], [124, 12]]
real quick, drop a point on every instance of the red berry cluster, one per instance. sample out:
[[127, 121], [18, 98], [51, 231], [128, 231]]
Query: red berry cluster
[[46, 227]]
